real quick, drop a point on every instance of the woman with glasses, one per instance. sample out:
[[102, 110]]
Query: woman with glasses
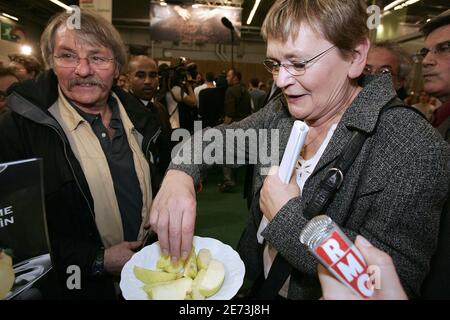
[[394, 190]]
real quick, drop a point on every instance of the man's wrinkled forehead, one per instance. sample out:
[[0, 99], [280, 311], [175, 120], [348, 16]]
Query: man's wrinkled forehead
[[438, 35], [382, 57], [76, 39]]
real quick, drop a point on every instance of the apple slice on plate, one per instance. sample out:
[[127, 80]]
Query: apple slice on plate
[[233, 271]]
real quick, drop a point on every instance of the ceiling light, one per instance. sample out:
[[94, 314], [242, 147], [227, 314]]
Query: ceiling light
[[405, 4], [26, 50], [10, 17], [393, 4], [252, 13], [62, 5]]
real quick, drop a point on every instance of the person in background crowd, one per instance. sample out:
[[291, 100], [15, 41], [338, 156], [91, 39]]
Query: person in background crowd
[[262, 86], [143, 84], [25, 67], [209, 83], [96, 141], [123, 82], [180, 100], [393, 192], [238, 106], [387, 57], [7, 78], [199, 80], [256, 94], [211, 103], [425, 106], [436, 68]]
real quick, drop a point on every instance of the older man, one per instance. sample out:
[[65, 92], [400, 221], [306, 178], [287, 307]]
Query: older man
[[436, 68], [387, 57], [96, 142]]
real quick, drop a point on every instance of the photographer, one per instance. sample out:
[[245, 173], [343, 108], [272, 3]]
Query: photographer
[[180, 98]]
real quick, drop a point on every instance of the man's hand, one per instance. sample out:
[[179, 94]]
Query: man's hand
[[275, 194], [387, 284], [173, 213], [118, 255]]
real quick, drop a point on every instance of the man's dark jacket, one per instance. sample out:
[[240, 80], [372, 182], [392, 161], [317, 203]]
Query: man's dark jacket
[[211, 106], [29, 131]]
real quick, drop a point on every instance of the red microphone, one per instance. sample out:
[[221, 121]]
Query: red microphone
[[326, 241]]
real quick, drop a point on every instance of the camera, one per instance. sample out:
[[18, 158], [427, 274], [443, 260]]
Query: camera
[[176, 75], [185, 72]]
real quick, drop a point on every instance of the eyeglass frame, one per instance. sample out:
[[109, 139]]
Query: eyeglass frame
[[287, 65], [78, 60], [422, 53], [382, 70]]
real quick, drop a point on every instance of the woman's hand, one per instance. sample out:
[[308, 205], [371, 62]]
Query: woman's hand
[[173, 213], [275, 194]]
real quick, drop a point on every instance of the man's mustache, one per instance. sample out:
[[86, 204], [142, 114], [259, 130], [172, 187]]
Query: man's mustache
[[90, 80]]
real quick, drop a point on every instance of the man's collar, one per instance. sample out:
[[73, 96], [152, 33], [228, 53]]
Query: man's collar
[[81, 116]]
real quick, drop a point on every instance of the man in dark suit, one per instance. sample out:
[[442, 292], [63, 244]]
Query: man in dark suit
[[211, 103], [144, 82]]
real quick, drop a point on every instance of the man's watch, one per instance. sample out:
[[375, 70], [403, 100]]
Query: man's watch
[[98, 267]]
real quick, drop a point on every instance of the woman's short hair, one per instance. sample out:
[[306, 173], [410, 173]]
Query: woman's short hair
[[94, 29], [30, 63], [341, 22]]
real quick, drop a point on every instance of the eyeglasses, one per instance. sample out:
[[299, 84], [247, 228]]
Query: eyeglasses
[[70, 60], [441, 49], [368, 69], [296, 68]]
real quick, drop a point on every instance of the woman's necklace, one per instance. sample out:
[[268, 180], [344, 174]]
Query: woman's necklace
[[306, 145]]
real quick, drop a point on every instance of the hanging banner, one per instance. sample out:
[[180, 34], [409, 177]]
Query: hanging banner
[[193, 23]]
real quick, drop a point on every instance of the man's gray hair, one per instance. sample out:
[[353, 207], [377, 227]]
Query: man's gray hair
[[404, 59], [94, 30]]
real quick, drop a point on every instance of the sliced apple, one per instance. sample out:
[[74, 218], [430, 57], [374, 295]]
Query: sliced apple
[[196, 295], [174, 290], [149, 287], [163, 262], [149, 276], [190, 267], [176, 267], [7, 276], [203, 258], [210, 282]]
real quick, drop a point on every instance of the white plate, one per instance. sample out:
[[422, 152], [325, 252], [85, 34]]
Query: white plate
[[146, 258]]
